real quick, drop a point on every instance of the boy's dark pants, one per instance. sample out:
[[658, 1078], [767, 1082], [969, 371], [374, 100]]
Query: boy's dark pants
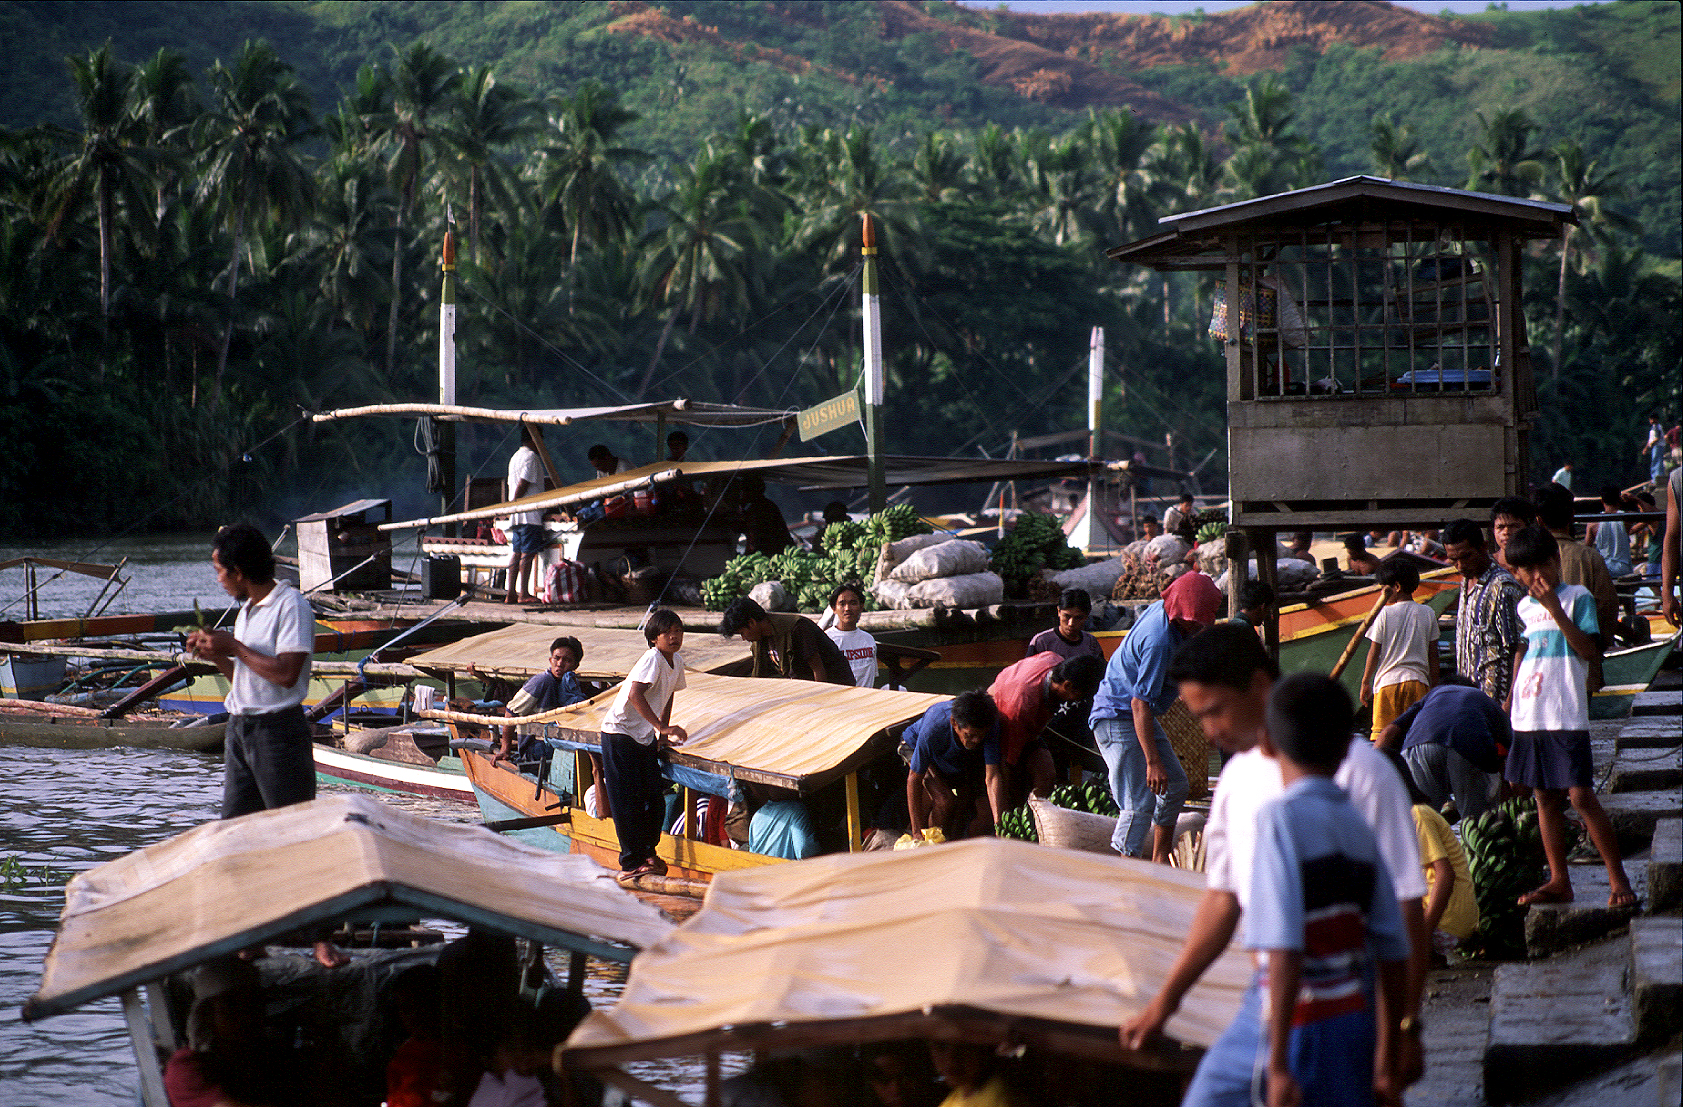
[[636, 794]]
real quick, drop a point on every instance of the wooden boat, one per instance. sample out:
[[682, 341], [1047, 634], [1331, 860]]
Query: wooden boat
[[989, 941], [57, 728], [395, 759], [1628, 672], [340, 859], [803, 738]]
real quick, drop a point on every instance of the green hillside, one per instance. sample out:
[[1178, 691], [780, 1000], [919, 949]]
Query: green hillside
[[664, 198]]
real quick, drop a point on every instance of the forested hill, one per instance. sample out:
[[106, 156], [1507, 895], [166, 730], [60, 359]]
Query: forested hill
[[233, 213], [1606, 74]]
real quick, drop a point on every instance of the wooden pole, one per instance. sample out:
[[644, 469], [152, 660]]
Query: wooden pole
[[145, 1052], [855, 826], [1238, 567], [1350, 650]]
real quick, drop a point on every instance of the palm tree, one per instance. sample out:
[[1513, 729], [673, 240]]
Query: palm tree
[[995, 163], [701, 249], [937, 168], [109, 160], [1588, 191], [841, 177], [1124, 147], [579, 178], [1268, 156], [252, 169], [487, 116], [1065, 186], [1396, 150], [163, 104], [344, 249], [423, 83], [1501, 161]]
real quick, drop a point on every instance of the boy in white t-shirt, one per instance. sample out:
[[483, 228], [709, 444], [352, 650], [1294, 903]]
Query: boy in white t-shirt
[[1549, 708], [1402, 661], [859, 647], [637, 729]]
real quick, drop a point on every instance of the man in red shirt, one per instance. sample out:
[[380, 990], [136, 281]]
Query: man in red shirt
[[1028, 694]]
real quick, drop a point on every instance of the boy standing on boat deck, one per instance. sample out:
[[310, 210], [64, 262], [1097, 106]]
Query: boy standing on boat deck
[[857, 646], [526, 534], [635, 732], [267, 760], [1550, 712], [1402, 659]]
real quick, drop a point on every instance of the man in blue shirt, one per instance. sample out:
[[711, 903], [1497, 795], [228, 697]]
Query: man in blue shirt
[[955, 761], [1453, 741], [1145, 775]]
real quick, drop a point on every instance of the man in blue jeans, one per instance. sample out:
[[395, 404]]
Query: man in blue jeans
[[1145, 775]]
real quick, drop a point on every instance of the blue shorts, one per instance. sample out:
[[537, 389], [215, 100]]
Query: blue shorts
[[1550, 759], [529, 538]]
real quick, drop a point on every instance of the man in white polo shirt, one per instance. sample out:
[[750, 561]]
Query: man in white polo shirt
[[267, 760], [1225, 677]]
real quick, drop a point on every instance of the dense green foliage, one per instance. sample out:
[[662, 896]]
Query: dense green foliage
[[197, 246]]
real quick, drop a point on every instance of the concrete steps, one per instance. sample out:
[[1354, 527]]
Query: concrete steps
[[1557, 1021], [1605, 985]]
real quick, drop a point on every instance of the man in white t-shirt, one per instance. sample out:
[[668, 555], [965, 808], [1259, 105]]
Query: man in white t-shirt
[[857, 646], [526, 534], [267, 760], [1225, 676]]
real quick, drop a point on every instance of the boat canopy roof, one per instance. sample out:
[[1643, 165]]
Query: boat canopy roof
[[234, 883], [695, 413], [522, 650], [809, 473], [797, 734], [982, 938]]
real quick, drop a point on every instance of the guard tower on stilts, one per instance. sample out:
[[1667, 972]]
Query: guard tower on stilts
[[1378, 371]]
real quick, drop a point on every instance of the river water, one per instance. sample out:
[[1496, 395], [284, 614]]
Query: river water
[[64, 811]]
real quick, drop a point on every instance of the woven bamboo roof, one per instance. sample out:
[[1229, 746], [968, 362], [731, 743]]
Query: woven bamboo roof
[[521, 651], [1000, 937], [233, 883]]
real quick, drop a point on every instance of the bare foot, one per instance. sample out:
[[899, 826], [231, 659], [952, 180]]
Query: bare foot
[[1622, 897], [331, 955], [1548, 893]]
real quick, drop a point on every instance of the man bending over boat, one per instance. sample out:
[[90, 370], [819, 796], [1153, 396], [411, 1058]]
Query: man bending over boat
[[267, 761], [785, 644], [956, 779], [555, 687]]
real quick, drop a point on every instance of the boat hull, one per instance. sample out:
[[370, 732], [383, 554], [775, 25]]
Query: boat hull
[[505, 793], [445, 780], [91, 733]]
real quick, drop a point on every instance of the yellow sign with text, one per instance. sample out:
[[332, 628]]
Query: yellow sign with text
[[831, 415]]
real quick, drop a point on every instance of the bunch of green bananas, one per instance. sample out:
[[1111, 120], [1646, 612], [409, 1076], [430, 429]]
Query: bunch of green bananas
[[1092, 797], [1505, 857], [1017, 823], [850, 553], [1035, 543]]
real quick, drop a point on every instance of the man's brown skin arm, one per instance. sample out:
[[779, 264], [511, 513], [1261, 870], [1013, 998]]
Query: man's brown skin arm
[[1155, 778], [1437, 899], [1391, 738], [1212, 928], [221, 649], [994, 782], [1669, 568], [917, 803], [1410, 1062], [1393, 1047]]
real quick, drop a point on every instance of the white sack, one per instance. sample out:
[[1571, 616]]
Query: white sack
[[1098, 579], [972, 590], [953, 558]]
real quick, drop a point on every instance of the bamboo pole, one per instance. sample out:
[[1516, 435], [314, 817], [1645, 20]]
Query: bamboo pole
[[1350, 650]]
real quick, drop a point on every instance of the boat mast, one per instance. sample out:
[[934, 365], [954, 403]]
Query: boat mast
[[446, 431], [1097, 532], [871, 310]]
